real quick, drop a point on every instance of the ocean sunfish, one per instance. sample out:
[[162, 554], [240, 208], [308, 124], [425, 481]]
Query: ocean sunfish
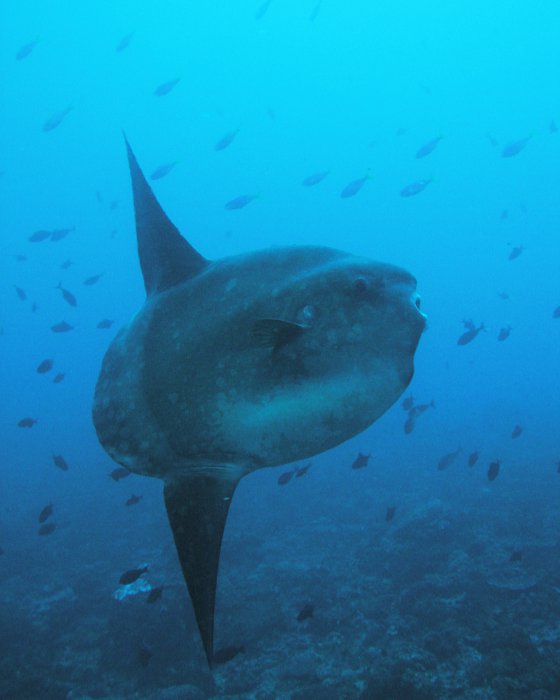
[[245, 362]]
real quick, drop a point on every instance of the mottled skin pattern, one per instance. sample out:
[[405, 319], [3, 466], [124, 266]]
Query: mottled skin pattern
[[194, 393]]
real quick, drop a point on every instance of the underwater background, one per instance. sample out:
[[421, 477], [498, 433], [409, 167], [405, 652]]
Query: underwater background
[[429, 570]]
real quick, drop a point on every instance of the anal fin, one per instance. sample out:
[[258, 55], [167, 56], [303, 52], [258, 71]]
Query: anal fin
[[197, 508]]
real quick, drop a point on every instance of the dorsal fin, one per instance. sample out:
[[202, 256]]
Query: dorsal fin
[[165, 256]]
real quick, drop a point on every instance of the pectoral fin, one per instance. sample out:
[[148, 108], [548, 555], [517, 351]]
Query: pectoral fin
[[197, 508], [273, 333]]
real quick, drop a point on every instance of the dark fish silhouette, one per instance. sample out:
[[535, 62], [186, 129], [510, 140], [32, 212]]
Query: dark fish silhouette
[[301, 471], [275, 403], [56, 119], [284, 478], [22, 294], [415, 188], [305, 613], [154, 595], [225, 654], [144, 655], [504, 215], [240, 202], [514, 147], [119, 473], [26, 49], [66, 264], [133, 500], [39, 236], [420, 408], [473, 458], [47, 529], [68, 297], [556, 312], [504, 333], [516, 556], [46, 513], [515, 252], [59, 233], [315, 179], [408, 403], [493, 470], [390, 514], [315, 11], [352, 188], [503, 295], [552, 127], [361, 461], [448, 459], [163, 170], [61, 327], [262, 9], [516, 432], [409, 424], [45, 366], [27, 422], [94, 279], [428, 147], [226, 140], [105, 323], [165, 88], [60, 462], [124, 42], [132, 575], [58, 378], [470, 334], [20, 257]]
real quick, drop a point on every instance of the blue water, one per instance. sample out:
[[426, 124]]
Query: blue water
[[353, 88]]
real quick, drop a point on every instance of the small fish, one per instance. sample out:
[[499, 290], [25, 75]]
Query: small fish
[[66, 264], [105, 323], [448, 459], [60, 462], [315, 179], [556, 312], [409, 425], [305, 613], [473, 458], [493, 140], [59, 233], [493, 470], [240, 202], [361, 461], [26, 49], [119, 473], [154, 595], [61, 327], [133, 500], [470, 334], [515, 252], [144, 655], [408, 403], [226, 140], [113, 204], [20, 258], [552, 127], [94, 279], [262, 9], [27, 422], [124, 42], [504, 296], [415, 188], [165, 88], [284, 478], [516, 556], [390, 514], [39, 236], [56, 119], [315, 11], [46, 513], [132, 575], [514, 147], [301, 471], [516, 432], [47, 529], [163, 170], [22, 295], [45, 366], [504, 333], [352, 188], [428, 147], [68, 297], [420, 408], [225, 654], [504, 215], [59, 378]]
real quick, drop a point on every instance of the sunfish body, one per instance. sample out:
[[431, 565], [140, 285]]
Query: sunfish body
[[245, 362]]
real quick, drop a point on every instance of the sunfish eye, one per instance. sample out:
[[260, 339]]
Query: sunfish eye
[[307, 314], [360, 285]]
